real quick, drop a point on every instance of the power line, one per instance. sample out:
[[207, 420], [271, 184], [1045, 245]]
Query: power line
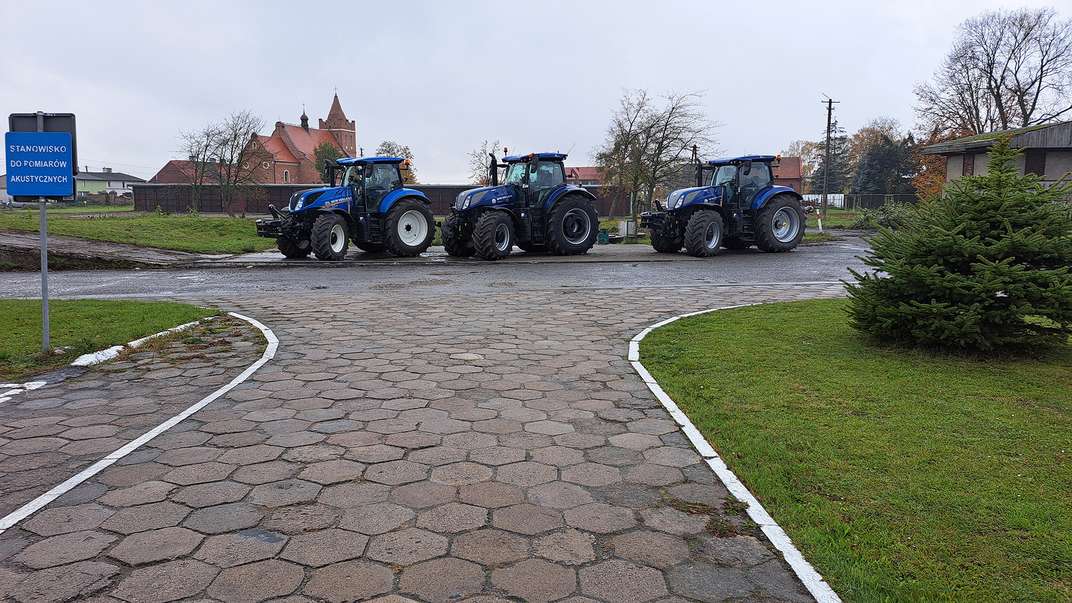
[[829, 102]]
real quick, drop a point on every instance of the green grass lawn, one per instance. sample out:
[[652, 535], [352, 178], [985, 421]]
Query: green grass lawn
[[80, 327], [835, 218], [902, 476], [196, 234], [91, 209]]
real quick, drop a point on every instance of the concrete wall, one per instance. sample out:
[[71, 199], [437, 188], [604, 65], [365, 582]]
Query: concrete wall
[[1058, 163]]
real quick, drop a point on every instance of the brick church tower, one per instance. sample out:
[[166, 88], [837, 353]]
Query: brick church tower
[[344, 130]]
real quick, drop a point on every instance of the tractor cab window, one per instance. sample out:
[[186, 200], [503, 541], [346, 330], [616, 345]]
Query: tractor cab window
[[382, 176], [353, 176], [758, 178], [546, 174], [515, 173], [724, 175]]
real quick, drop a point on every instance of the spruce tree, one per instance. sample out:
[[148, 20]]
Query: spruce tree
[[985, 267]]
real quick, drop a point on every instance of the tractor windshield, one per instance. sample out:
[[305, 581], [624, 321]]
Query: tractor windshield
[[515, 173], [353, 176], [724, 175]]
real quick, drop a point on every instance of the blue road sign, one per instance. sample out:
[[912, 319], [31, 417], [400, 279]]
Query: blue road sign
[[39, 164]]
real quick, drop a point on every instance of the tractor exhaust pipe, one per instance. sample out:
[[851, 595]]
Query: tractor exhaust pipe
[[699, 166], [493, 170]]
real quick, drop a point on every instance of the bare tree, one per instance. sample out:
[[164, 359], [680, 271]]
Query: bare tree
[[1007, 69], [479, 159], [200, 148], [237, 157], [622, 155], [648, 145]]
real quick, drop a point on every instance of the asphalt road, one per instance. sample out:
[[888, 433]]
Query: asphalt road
[[809, 263]]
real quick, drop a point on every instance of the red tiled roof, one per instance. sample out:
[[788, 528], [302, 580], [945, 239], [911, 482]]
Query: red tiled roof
[[277, 148], [306, 141], [584, 173], [180, 171]]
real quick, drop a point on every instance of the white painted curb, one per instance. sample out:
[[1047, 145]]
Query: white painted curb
[[107, 354], [804, 570], [36, 504]]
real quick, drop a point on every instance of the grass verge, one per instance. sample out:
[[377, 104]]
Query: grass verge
[[79, 327], [195, 234], [902, 476]]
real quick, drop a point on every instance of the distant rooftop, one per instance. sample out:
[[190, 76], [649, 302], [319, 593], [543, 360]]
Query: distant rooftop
[[1046, 136], [107, 175]]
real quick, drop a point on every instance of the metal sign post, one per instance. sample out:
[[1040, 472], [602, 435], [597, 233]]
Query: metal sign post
[[41, 163]]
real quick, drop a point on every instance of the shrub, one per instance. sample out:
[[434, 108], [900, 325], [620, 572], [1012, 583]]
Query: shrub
[[985, 267]]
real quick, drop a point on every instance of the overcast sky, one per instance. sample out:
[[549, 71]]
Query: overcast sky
[[442, 76]]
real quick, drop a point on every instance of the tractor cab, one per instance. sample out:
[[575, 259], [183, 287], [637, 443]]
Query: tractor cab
[[737, 180], [367, 179]]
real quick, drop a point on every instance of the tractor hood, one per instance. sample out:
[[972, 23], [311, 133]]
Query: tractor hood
[[483, 196], [683, 197], [320, 198]]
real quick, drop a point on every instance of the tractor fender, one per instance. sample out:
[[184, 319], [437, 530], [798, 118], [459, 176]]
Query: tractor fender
[[399, 194], [770, 192], [567, 189]]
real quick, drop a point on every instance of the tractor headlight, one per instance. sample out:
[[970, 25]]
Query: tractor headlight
[[298, 205], [465, 203], [674, 201]]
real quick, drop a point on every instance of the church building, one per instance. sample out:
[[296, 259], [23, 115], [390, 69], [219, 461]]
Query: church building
[[289, 155]]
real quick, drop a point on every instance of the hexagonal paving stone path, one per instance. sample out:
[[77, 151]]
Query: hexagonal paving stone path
[[398, 448]]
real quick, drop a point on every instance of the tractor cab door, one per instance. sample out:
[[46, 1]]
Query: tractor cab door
[[753, 178], [380, 179], [543, 177], [726, 176]]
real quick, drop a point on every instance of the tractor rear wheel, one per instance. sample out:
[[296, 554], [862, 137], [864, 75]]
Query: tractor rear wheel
[[780, 224], [409, 228], [454, 242], [573, 226], [370, 247], [330, 237], [735, 243], [493, 235], [703, 233], [292, 248], [664, 241]]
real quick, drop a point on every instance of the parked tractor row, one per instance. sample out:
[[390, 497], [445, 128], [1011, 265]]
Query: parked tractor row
[[733, 205]]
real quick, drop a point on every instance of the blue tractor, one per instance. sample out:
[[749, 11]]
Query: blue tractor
[[533, 209], [369, 207], [734, 204]]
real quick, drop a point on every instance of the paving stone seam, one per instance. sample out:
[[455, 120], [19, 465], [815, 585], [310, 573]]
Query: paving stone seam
[[55, 492], [808, 575]]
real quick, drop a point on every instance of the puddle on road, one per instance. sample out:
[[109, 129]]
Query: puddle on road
[[418, 283]]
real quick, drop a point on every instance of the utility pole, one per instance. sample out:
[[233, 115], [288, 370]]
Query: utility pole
[[829, 102]]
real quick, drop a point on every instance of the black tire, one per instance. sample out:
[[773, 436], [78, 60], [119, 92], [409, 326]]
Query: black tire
[[573, 226], [369, 247], [454, 241], [664, 241], [774, 229], [326, 235], [409, 228], [703, 233], [293, 249], [735, 243], [493, 235], [532, 247]]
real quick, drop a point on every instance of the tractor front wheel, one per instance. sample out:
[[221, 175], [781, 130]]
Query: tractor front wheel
[[292, 248], [409, 229], [780, 224], [330, 237], [664, 241], [454, 243], [703, 233], [573, 226], [493, 235]]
